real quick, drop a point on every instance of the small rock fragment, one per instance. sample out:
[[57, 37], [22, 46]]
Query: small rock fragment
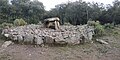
[[101, 41]]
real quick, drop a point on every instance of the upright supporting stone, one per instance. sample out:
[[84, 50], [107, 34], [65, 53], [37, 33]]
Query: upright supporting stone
[[58, 24]]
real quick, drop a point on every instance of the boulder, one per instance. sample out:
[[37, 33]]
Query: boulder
[[20, 38], [6, 35], [28, 38], [48, 39], [14, 37], [38, 40], [60, 40], [6, 44], [73, 40]]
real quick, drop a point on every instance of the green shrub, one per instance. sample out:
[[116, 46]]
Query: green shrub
[[19, 22], [6, 25], [99, 29], [93, 23]]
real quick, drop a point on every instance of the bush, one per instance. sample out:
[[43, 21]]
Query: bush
[[6, 25], [19, 22], [99, 29], [93, 23]]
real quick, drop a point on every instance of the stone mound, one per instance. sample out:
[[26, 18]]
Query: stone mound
[[35, 34]]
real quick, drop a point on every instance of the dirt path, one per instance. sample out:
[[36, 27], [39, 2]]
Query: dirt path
[[93, 51]]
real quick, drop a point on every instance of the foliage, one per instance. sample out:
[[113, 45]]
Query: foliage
[[6, 25], [19, 22], [75, 13], [31, 11], [80, 12], [99, 29], [93, 23]]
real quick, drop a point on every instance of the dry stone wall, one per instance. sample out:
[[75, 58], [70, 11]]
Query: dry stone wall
[[36, 34]]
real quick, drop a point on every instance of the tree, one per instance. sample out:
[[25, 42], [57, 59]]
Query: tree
[[31, 11]]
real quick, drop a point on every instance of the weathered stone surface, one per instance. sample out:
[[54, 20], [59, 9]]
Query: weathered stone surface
[[6, 35], [6, 44], [101, 41], [14, 37], [29, 38], [39, 35], [73, 39], [38, 40], [60, 40], [52, 19], [48, 39], [20, 38]]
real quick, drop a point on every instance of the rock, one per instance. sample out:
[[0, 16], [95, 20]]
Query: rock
[[6, 35], [5, 31], [14, 37], [48, 39], [14, 33], [20, 38], [65, 35], [101, 41], [38, 40], [73, 41], [87, 32], [37, 35], [29, 38], [60, 40], [6, 44], [90, 33]]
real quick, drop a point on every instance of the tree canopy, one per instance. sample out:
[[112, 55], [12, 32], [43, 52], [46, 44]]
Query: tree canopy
[[76, 13], [31, 11]]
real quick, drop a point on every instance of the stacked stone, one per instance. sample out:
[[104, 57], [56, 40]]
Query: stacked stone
[[38, 35]]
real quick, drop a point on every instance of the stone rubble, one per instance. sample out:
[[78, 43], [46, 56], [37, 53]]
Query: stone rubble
[[38, 35]]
